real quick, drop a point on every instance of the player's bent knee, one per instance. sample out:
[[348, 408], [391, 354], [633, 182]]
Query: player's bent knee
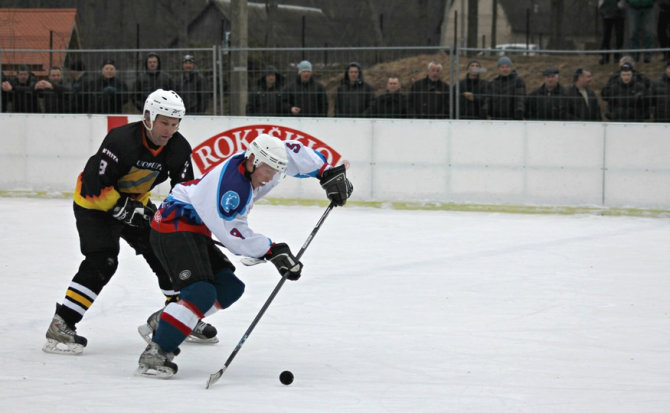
[[98, 266], [229, 288], [202, 294]]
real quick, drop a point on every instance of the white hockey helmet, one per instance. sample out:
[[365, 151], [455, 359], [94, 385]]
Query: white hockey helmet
[[166, 103], [269, 150]]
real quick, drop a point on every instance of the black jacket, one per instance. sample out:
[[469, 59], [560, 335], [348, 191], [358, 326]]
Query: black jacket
[[429, 99], [389, 105], [106, 95], [575, 107], [473, 109], [507, 97], [544, 104], [268, 101], [148, 82], [626, 102], [660, 98], [309, 96], [192, 88], [353, 99], [24, 97]]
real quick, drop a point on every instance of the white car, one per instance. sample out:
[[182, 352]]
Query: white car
[[528, 50]]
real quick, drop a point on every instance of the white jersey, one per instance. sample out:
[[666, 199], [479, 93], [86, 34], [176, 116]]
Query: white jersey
[[220, 201]]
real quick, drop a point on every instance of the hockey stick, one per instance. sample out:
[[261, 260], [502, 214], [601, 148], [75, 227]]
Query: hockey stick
[[213, 378]]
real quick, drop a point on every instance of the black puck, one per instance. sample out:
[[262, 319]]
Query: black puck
[[286, 377]]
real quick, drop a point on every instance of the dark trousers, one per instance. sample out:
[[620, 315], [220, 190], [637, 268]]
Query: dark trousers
[[615, 25], [662, 31], [99, 241]]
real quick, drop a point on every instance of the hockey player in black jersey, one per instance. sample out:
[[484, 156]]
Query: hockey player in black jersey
[[111, 201]]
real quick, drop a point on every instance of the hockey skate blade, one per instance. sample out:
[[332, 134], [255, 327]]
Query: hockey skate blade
[[154, 373], [55, 347], [198, 340], [146, 332]]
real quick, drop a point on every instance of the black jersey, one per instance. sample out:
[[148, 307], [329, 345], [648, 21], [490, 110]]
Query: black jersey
[[128, 164]]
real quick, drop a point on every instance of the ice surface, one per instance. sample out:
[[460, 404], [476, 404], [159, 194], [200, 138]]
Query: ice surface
[[397, 311]]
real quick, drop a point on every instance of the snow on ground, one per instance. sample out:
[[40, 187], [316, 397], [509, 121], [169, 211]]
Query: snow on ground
[[397, 311]]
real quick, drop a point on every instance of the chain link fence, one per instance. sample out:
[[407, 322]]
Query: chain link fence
[[396, 82]]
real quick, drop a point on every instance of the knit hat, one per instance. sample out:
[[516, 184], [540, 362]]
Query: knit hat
[[626, 68], [108, 61], [550, 71], [304, 66], [504, 61]]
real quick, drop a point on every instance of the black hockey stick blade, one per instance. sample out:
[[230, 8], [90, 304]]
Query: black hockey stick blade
[[213, 378]]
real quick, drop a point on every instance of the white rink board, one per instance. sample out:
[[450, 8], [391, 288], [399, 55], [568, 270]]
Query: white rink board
[[490, 162]]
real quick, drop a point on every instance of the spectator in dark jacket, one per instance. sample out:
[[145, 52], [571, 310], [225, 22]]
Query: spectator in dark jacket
[[306, 96], [626, 98], [507, 93], [354, 95], [581, 102], [392, 104], [6, 91], [267, 99], [660, 96], [79, 78], [107, 93], [54, 94], [24, 98], [637, 75], [151, 79], [546, 102], [473, 92], [429, 97], [192, 87]]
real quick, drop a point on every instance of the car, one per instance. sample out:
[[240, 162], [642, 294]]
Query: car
[[527, 49]]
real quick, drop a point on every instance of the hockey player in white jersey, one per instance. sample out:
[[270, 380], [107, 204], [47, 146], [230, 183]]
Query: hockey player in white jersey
[[219, 203]]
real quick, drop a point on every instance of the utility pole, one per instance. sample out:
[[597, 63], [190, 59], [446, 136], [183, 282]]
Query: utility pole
[[239, 40]]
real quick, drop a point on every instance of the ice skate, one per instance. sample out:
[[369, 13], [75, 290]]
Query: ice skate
[[203, 333], [62, 339], [156, 363]]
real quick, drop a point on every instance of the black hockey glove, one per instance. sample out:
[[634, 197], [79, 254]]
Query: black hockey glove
[[132, 212], [280, 255], [337, 186]]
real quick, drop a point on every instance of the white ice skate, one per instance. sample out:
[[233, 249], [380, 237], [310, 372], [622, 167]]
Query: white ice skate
[[62, 339], [156, 363]]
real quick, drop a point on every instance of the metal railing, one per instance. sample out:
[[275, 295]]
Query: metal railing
[[225, 89]]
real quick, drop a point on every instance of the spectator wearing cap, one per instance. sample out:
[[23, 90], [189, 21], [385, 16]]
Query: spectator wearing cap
[[507, 93], [473, 92], [151, 79], [267, 98], [306, 96], [107, 93], [627, 99], [354, 95], [192, 87], [581, 103], [546, 102], [637, 75], [79, 78], [429, 97], [660, 96]]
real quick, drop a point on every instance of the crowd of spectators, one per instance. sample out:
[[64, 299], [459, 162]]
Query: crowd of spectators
[[628, 95], [101, 90]]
